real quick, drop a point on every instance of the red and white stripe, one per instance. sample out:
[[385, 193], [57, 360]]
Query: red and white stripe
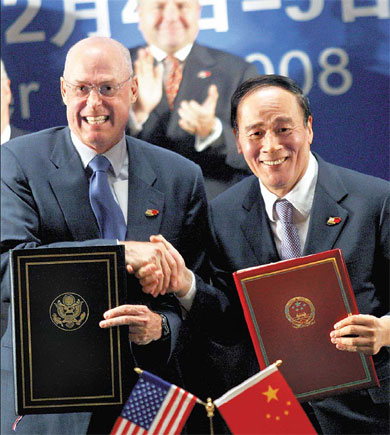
[[173, 413]]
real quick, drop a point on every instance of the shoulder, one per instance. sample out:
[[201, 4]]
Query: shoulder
[[30, 146], [360, 185], [222, 56]]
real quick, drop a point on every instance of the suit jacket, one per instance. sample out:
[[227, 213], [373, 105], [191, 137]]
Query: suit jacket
[[242, 237], [45, 203], [203, 67]]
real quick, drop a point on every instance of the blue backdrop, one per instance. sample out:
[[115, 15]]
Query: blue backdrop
[[337, 50]]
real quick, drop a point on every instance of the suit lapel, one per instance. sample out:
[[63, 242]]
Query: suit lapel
[[144, 199], [256, 227], [70, 186], [326, 204]]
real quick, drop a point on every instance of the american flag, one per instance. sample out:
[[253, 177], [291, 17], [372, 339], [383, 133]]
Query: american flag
[[154, 407]]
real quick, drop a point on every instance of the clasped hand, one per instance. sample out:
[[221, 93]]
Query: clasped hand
[[160, 269]]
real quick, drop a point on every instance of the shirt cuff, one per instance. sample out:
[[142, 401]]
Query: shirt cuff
[[202, 144], [187, 300]]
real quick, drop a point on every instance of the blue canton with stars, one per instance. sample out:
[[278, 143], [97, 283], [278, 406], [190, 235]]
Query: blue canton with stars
[[145, 400]]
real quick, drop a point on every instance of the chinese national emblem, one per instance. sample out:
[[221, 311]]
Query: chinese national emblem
[[69, 311], [300, 312]]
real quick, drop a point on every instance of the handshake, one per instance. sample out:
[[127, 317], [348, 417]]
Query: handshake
[[160, 269], [158, 266]]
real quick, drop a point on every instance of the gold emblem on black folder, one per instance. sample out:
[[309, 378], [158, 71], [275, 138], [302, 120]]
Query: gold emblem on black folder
[[300, 312], [69, 311]]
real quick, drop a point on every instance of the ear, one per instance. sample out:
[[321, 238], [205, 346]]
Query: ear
[[63, 90], [309, 128], [133, 89], [239, 149], [6, 91]]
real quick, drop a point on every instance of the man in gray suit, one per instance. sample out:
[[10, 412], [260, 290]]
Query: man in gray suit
[[196, 124], [45, 203], [273, 126]]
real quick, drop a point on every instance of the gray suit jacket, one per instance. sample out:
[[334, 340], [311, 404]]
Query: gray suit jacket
[[45, 203]]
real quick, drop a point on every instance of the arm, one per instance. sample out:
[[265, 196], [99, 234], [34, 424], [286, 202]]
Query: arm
[[368, 333]]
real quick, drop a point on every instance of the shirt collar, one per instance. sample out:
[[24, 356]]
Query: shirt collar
[[6, 135], [301, 196], [181, 54], [116, 154]]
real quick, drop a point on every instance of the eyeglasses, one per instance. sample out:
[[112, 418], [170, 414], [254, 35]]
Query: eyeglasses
[[105, 89]]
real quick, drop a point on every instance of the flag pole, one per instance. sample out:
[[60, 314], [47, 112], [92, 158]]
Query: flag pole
[[209, 405]]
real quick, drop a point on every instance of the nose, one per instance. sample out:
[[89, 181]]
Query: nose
[[270, 143], [171, 11], [94, 98]]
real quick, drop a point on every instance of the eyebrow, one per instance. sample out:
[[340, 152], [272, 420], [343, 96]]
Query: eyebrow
[[279, 119]]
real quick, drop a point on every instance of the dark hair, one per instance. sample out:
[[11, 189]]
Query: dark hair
[[260, 81]]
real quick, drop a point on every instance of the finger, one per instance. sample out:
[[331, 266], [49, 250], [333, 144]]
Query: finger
[[148, 269], [212, 98], [356, 319], [175, 259]]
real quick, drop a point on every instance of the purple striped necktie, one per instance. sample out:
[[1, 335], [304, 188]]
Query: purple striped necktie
[[291, 245]]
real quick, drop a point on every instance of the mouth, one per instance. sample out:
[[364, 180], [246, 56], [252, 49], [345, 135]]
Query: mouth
[[274, 162], [95, 120]]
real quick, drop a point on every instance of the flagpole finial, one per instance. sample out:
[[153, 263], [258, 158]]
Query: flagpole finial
[[209, 407], [278, 362], [210, 413], [138, 370]]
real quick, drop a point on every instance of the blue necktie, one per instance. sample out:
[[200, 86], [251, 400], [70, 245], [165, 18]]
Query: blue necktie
[[291, 244], [107, 211]]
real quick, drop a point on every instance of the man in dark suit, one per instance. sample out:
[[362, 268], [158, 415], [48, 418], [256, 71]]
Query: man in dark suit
[[45, 203], [272, 123], [8, 131], [196, 125]]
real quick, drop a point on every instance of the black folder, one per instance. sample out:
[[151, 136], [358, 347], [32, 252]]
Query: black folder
[[63, 360]]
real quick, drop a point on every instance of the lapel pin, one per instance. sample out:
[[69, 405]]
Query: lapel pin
[[333, 220], [151, 212], [204, 74]]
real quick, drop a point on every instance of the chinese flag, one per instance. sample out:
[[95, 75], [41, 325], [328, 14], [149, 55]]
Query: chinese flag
[[264, 404]]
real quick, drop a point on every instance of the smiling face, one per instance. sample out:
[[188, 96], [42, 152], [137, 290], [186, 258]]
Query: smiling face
[[98, 121], [273, 137], [169, 24]]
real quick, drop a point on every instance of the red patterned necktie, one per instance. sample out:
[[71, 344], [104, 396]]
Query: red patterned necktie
[[173, 78]]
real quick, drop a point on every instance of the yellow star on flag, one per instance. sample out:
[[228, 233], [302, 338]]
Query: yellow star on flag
[[271, 393]]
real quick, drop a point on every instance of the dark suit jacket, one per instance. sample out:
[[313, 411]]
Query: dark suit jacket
[[220, 161], [242, 238], [45, 203]]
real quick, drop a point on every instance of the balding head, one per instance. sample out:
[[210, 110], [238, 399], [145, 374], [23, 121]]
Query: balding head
[[96, 44]]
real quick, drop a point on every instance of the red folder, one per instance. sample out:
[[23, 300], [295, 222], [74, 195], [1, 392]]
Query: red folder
[[290, 308]]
